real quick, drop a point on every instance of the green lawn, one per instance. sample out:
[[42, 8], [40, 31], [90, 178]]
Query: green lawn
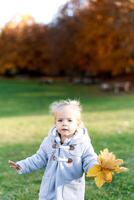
[[25, 120]]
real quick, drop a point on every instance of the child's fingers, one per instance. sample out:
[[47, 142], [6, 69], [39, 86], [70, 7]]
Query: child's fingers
[[11, 163], [14, 165]]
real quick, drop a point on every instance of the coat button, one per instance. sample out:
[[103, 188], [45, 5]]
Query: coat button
[[71, 147], [69, 160], [54, 157]]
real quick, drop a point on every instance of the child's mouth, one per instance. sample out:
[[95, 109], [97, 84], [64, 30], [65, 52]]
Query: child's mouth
[[64, 129]]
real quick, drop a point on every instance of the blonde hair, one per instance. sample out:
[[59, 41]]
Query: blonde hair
[[75, 104]]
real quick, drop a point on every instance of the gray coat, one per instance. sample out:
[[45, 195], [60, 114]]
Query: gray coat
[[64, 165]]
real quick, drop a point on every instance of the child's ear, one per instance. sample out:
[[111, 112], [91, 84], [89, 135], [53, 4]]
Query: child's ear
[[80, 123]]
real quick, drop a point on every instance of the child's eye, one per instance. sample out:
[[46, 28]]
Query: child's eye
[[70, 120], [59, 120]]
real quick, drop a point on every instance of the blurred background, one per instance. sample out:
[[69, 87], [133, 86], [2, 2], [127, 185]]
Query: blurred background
[[77, 49], [83, 39]]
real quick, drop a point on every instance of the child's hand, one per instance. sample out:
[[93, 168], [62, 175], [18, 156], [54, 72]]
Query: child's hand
[[14, 165]]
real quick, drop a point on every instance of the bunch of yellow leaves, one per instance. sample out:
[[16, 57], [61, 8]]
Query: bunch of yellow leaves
[[106, 167]]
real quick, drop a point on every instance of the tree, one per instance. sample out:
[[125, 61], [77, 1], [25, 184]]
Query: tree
[[25, 48]]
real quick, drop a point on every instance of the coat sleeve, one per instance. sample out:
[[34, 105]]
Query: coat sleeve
[[34, 162], [89, 157]]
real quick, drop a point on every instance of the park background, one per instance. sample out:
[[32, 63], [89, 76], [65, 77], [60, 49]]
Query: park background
[[85, 53]]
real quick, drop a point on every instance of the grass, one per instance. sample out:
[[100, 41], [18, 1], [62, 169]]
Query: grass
[[25, 120]]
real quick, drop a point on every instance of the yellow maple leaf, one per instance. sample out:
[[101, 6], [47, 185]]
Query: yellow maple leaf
[[99, 179], [106, 167], [94, 171]]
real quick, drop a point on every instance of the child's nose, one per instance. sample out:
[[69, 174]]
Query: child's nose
[[64, 122]]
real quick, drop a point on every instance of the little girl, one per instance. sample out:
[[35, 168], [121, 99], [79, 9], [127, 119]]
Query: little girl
[[65, 154]]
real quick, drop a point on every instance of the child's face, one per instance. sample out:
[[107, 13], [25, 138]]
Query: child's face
[[66, 121]]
